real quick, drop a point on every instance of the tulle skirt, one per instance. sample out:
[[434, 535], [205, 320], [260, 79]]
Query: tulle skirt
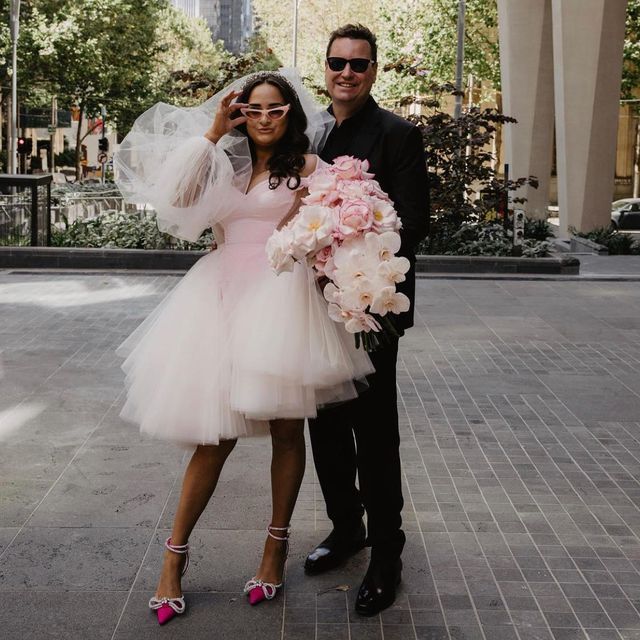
[[234, 346]]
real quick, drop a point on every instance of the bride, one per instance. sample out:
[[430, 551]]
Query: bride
[[234, 350]]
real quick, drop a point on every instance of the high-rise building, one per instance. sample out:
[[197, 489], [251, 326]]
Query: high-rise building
[[210, 13], [228, 20], [236, 24], [190, 7]]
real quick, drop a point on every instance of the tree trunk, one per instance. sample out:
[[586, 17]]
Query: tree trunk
[[79, 143]]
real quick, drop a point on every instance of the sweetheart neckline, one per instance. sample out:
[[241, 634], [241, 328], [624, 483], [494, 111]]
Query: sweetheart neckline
[[255, 186]]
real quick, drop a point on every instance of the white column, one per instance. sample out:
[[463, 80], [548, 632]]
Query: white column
[[526, 61], [588, 37]]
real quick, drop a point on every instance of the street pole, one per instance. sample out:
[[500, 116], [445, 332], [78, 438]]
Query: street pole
[[103, 115], [460, 57], [295, 33], [52, 134], [13, 140]]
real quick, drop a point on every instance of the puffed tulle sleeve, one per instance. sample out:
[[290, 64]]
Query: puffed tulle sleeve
[[166, 162]]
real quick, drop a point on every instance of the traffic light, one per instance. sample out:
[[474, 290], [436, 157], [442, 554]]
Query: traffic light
[[25, 146], [103, 145]]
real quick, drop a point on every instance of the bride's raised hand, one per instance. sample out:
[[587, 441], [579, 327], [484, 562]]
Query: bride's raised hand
[[225, 119]]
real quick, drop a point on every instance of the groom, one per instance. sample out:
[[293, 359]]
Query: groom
[[362, 436]]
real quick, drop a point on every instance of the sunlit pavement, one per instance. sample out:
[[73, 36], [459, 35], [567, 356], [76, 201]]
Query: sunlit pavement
[[520, 415]]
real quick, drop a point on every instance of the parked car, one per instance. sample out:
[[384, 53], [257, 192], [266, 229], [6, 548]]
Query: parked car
[[625, 214]]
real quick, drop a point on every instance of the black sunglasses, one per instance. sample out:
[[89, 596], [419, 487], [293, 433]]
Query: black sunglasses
[[358, 65]]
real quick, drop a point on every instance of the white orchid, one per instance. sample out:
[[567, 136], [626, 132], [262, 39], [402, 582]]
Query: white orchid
[[359, 296], [332, 294], [384, 246], [389, 301], [394, 269]]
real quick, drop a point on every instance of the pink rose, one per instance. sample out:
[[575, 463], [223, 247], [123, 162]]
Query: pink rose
[[352, 189], [348, 168], [355, 216], [372, 188], [324, 254]]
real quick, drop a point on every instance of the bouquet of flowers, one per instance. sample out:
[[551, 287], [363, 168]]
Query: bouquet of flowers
[[347, 231]]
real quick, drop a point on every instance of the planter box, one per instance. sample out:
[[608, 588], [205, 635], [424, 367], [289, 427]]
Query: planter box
[[143, 259], [72, 258], [490, 264]]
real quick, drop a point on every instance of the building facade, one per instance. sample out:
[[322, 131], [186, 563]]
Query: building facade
[[561, 65], [228, 20], [190, 7], [210, 13], [236, 24]]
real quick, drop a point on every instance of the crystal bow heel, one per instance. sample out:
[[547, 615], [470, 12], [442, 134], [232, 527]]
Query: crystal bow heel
[[258, 590], [168, 608]]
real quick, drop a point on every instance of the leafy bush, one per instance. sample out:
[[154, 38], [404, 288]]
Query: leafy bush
[[486, 238], [617, 243], [120, 230], [537, 229], [66, 158], [466, 191]]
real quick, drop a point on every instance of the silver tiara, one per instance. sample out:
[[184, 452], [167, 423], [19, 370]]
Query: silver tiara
[[265, 75]]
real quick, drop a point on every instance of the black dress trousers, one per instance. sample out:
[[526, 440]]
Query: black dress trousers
[[363, 435]]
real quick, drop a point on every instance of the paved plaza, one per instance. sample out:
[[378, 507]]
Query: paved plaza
[[520, 416]]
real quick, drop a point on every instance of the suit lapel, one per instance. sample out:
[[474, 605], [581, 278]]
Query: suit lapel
[[365, 142]]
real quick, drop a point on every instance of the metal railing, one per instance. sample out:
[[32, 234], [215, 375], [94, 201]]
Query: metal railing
[[70, 206], [25, 210]]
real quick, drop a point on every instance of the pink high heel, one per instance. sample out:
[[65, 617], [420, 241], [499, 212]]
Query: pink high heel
[[258, 590], [168, 608]]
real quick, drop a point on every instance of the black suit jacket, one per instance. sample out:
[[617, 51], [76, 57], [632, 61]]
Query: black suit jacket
[[393, 147]]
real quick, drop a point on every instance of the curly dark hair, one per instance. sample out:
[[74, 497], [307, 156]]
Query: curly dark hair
[[288, 157]]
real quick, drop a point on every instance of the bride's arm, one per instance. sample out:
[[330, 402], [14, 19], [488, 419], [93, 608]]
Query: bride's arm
[[311, 163], [166, 161]]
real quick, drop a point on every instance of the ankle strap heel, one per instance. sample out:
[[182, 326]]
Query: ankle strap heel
[[168, 608], [285, 538], [257, 589], [180, 549]]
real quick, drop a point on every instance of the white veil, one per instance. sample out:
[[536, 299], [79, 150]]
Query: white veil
[[166, 161]]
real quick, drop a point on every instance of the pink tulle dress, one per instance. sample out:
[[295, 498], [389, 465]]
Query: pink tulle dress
[[234, 345]]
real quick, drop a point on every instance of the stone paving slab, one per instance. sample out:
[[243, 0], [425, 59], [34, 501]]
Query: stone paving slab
[[520, 414]]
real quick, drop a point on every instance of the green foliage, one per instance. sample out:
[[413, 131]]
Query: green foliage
[[617, 243], [537, 229], [466, 191], [66, 158], [419, 41], [193, 85], [491, 239], [120, 230]]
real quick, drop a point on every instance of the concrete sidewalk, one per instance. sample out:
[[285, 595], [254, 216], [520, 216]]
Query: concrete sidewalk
[[520, 417]]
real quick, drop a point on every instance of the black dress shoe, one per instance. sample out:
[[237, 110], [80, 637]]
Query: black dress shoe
[[378, 589], [334, 550]]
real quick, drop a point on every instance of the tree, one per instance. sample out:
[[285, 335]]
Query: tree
[[631, 79], [419, 40], [415, 33], [92, 53], [316, 20], [631, 68]]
